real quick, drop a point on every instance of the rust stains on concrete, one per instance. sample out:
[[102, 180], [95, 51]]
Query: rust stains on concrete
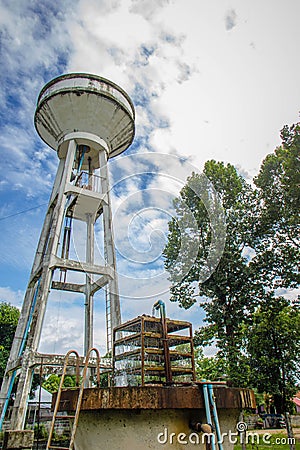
[[156, 397]]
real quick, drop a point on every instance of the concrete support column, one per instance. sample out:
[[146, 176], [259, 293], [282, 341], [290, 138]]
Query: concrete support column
[[113, 289], [26, 307], [25, 378], [23, 323], [86, 119]]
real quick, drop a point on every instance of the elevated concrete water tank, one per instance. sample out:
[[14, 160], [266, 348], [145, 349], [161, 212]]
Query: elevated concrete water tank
[[87, 120], [85, 107]]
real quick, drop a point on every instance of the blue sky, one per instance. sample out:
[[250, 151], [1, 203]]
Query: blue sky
[[208, 80]]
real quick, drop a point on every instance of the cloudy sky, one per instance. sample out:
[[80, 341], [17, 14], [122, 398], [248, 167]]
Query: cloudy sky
[[209, 80]]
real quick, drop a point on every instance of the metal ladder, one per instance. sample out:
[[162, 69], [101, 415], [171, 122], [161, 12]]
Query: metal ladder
[[108, 320], [74, 417], [108, 311], [66, 245]]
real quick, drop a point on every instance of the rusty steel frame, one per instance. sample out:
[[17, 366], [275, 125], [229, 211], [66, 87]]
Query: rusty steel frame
[[160, 332]]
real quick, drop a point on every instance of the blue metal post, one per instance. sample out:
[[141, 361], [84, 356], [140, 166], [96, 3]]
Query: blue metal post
[[161, 306], [215, 415], [207, 411], [5, 405]]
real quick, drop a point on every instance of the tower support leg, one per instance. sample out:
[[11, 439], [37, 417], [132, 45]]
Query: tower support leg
[[28, 332], [113, 288]]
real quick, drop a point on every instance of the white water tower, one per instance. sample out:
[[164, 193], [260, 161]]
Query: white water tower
[[87, 120]]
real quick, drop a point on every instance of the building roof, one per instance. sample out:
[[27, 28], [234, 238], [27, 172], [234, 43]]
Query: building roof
[[296, 400]]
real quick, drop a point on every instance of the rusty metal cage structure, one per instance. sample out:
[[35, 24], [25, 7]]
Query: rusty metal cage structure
[[149, 350]]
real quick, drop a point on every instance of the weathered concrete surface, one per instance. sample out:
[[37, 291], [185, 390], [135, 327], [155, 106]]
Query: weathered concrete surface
[[295, 419], [18, 439], [156, 397], [147, 429], [151, 417]]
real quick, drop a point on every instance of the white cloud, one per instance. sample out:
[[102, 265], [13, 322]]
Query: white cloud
[[290, 294], [63, 327], [148, 9], [8, 295], [230, 20], [200, 92]]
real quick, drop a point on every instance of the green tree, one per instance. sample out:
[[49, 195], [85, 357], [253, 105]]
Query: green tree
[[278, 230], [9, 316], [51, 384], [273, 342], [231, 291], [212, 368]]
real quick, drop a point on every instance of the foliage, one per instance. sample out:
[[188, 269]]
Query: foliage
[[9, 316], [51, 384], [231, 292], [279, 179], [212, 368], [104, 379], [273, 342], [259, 262], [40, 431], [278, 245]]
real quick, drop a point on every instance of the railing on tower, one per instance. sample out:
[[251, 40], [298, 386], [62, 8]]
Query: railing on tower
[[89, 181]]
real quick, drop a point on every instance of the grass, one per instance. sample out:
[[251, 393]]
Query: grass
[[267, 441]]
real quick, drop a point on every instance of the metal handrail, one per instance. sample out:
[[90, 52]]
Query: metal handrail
[[70, 352], [80, 394], [92, 181]]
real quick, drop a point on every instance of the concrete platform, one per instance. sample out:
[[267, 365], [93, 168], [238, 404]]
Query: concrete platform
[[151, 417]]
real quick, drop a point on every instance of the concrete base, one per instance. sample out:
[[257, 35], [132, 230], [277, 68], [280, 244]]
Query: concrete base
[[147, 429], [152, 417], [18, 439]]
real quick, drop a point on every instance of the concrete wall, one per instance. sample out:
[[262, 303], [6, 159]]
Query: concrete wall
[[295, 419], [252, 418], [146, 429]]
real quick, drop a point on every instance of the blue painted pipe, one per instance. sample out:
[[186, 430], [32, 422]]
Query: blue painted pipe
[[84, 149], [161, 306], [215, 415], [5, 405], [29, 319], [207, 411]]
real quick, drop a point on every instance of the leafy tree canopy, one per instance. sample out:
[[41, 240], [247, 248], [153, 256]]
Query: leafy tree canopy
[[278, 230], [273, 341], [51, 384], [9, 316], [259, 260], [212, 368], [229, 295]]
